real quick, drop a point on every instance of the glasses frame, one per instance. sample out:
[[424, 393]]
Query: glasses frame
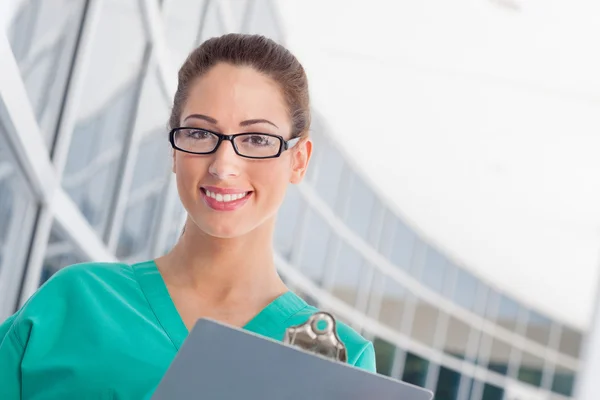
[[283, 144]]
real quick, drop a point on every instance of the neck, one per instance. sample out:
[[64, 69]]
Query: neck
[[224, 269]]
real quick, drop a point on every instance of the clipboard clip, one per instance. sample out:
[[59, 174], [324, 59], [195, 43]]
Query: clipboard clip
[[318, 335]]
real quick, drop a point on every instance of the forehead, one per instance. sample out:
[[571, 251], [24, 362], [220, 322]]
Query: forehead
[[231, 94]]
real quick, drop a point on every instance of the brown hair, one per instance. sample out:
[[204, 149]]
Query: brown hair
[[258, 52]]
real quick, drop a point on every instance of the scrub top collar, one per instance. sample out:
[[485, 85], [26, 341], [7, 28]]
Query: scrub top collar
[[270, 319]]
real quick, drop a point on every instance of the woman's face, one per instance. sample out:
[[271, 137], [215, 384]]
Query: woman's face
[[229, 100]]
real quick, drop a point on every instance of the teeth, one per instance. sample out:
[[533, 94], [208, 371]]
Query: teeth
[[225, 198]]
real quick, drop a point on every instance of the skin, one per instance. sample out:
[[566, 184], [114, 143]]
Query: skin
[[222, 267]]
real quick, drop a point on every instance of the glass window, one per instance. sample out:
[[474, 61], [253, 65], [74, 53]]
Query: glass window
[[154, 108], [60, 253], [434, 269], [563, 380], [485, 297], [467, 388], [151, 174], [393, 299], [465, 290], [17, 212], [330, 175], [491, 305], [531, 369], [508, 314], [474, 345], [262, 20], [499, 356], [483, 349], [376, 224], [212, 22], [491, 392], [173, 226], [7, 199], [415, 370], [403, 246], [386, 238], [144, 204], [347, 274], [287, 221], [43, 36], [425, 322], [570, 341], [447, 384], [539, 328], [384, 356], [457, 338], [106, 110], [314, 250], [360, 207], [375, 293], [451, 270], [182, 27]]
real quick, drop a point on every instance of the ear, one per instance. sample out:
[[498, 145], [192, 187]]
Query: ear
[[300, 159]]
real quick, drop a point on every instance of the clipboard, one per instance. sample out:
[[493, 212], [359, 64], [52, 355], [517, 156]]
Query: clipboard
[[220, 362]]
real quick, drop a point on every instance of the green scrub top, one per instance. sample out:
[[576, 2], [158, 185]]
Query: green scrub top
[[110, 331]]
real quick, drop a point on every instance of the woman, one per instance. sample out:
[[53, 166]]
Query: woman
[[240, 124]]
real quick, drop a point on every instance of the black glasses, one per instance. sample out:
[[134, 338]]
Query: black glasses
[[249, 145]]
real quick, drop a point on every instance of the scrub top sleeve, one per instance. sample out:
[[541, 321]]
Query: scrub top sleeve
[[11, 354], [366, 360]]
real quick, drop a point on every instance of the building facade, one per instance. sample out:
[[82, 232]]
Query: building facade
[[85, 95]]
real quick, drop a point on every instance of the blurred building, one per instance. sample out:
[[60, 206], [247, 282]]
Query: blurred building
[[85, 96]]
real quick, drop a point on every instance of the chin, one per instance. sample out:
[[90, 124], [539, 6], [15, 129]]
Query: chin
[[224, 233], [224, 230], [230, 225]]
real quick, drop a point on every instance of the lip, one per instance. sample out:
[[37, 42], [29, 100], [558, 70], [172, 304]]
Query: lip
[[221, 205]]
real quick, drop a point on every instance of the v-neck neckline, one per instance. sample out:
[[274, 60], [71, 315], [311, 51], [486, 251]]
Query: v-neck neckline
[[268, 320]]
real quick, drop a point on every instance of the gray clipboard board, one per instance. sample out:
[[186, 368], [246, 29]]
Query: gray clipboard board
[[221, 362]]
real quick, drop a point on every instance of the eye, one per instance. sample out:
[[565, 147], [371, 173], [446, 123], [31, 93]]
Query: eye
[[198, 134], [259, 140]]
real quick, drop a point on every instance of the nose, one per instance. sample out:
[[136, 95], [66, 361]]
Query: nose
[[225, 162]]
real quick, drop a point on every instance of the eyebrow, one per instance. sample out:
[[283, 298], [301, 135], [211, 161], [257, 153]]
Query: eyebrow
[[243, 123], [202, 117], [257, 121]]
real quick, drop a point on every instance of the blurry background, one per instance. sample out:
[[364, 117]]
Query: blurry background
[[452, 209]]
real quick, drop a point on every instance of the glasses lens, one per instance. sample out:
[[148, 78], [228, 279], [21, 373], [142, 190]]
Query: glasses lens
[[195, 140], [257, 145]]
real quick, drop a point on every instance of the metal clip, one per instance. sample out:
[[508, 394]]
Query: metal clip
[[318, 335]]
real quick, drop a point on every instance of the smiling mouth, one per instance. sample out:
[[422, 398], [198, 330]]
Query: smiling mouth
[[225, 198]]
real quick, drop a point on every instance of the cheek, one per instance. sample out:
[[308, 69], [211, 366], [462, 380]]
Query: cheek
[[189, 171], [272, 179]]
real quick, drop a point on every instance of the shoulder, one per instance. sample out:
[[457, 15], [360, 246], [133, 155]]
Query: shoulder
[[77, 277], [360, 350], [87, 276], [363, 352], [76, 288]]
